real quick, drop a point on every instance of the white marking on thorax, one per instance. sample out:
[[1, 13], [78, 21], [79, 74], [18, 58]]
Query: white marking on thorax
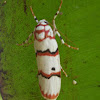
[[47, 27], [40, 36], [50, 33], [40, 28]]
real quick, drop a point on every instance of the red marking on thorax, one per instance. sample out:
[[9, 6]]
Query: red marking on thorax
[[39, 31], [41, 25], [43, 30]]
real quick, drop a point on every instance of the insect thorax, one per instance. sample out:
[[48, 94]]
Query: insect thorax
[[43, 31]]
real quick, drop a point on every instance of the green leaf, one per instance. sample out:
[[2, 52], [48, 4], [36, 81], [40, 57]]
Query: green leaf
[[79, 21]]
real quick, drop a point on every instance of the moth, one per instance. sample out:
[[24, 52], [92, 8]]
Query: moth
[[47, 56]]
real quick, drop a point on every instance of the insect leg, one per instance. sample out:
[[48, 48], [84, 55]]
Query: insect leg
[[64, 42], [26, 41], [64, 72], [29, 43], [33, 14]]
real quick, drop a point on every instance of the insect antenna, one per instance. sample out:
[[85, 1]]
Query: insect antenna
[[34, 15], [57, 11], [54, 25]]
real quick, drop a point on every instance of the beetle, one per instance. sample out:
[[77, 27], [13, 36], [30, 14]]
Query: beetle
[[47, 56]]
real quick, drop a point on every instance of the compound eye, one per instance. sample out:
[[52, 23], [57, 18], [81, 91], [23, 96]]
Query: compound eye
[[46, 22]]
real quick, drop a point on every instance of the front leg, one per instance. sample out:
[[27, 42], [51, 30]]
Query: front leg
[[54, 27], [26, 41], [64, 42]]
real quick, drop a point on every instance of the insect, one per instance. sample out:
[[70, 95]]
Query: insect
[[47, 56]]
